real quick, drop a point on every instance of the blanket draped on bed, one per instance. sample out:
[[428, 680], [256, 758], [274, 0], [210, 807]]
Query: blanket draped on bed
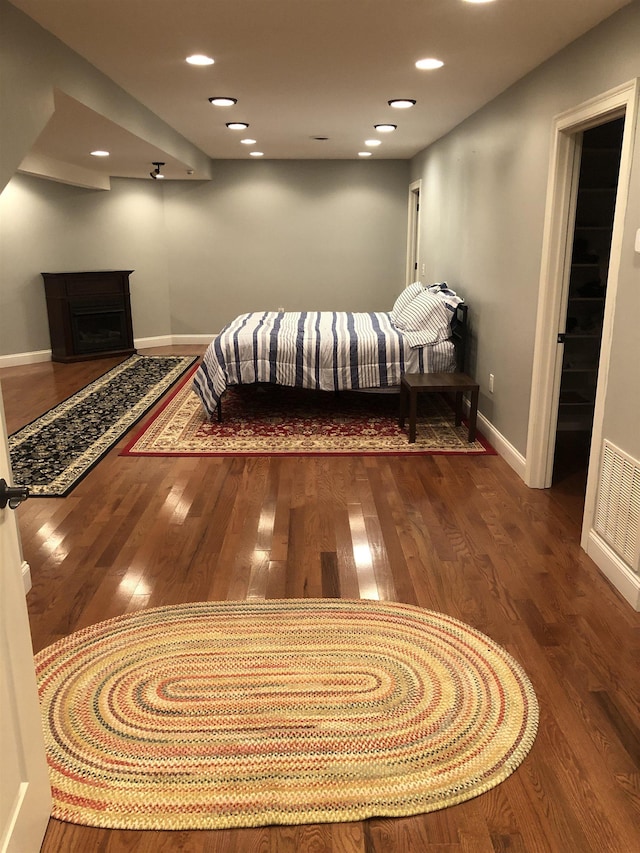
[[325, 351]]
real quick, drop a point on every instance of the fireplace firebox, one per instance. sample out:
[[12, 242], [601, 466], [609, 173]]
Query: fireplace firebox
[[89, 314]]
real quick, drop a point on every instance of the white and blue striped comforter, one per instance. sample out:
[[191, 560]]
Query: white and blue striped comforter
[[324, 350]]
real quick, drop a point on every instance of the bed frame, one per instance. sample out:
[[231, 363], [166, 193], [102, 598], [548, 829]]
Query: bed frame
[[459, 336]]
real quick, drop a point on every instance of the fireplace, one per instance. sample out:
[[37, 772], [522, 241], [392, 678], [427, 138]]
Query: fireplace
[[89, 314]]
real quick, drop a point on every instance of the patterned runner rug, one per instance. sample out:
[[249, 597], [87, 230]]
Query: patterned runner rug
[[238, 714], [272, 420], [53, 453]]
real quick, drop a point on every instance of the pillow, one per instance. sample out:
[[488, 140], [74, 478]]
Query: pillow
[[425, 320], [408, 294], [448, 296]]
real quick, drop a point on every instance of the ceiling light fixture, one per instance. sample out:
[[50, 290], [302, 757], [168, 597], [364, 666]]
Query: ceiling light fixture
[[429, 64], [385, 128], [372, 142], [479, 1], [237, 125], [364, 153], [402, 103], [156, 172], [223, 101], [256, 153], [199, 59], [99, 153], [248, 141]]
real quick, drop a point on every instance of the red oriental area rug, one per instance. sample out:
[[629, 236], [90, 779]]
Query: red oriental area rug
[[236, 714], [272, 420]]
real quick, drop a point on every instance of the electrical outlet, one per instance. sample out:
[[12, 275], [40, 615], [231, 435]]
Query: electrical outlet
[[491, 378]]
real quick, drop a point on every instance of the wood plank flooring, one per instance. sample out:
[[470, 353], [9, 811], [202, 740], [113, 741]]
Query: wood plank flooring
[[459, 535]]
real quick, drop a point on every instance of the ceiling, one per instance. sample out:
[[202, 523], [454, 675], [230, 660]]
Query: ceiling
[[300, 69]]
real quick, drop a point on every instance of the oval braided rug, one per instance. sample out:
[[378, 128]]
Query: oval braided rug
[[228, 714]]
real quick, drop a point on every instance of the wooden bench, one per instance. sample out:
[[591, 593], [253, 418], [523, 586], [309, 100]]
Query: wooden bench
[[412, 384]]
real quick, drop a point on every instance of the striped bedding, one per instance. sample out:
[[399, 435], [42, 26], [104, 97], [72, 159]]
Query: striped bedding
[[324, 350]]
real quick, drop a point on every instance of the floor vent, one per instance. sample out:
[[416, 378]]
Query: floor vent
[[617, 516]]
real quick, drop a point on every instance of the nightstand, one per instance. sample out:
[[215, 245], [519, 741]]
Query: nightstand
[[412, 384]]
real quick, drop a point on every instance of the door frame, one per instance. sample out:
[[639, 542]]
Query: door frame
[[413, 233], [554, 276]]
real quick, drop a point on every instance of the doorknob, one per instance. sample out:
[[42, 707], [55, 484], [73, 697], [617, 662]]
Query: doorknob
[[12, 495]]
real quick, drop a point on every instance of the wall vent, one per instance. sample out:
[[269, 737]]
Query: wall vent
[[617, 513]]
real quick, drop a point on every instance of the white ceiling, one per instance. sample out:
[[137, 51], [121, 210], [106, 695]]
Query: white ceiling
[[299, 69]]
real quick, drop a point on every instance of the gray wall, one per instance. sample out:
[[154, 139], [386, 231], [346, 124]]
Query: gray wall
[[297, 234], [482, 216], [51, 227], [312, 234]]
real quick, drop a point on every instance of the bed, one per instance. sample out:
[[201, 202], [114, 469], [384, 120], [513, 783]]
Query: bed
[[425, 332]]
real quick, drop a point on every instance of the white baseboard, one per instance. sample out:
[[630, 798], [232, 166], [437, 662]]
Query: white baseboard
[[155, 341], [203, 340], [174, 340], [20, 358], [626, 581], [26, 576], [511, 456]]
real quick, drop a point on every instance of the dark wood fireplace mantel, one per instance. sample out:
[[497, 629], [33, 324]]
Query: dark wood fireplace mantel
[[89, 314]]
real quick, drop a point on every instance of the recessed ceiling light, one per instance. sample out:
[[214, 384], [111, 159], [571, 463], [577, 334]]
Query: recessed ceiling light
[[237, 125], [385, 128], [372, 142], [99, 153], [364, 153], [256, 153], [223, 102], [248, 141], [199, 59], [429, 64], [402, 103]]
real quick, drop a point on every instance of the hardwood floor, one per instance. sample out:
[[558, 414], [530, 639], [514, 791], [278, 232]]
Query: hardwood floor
[[459, 535]]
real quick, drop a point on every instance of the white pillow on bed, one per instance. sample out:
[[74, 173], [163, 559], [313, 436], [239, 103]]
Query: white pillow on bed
[[425, 320], [450, 297], [408, 294]]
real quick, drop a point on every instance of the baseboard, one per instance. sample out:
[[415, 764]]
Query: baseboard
[[626, 581], [155, 341], [174, 340], [20, 358], [503, 448], [201, 340], [26, 576]]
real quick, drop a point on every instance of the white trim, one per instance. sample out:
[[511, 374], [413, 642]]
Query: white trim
[[504, 448], [560, 198], [194, 339], [413, 232], [26, 576], [20, 358], [174, 340], [25, 358], [155, 341], [612, 567], [628, 140]]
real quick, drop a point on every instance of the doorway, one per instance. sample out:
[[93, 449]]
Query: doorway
[[557, 250], [600, 150], [413, 234]]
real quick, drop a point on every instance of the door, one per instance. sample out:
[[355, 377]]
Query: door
[[413, 234], [600, 152], [552, 299], [25, 797]]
